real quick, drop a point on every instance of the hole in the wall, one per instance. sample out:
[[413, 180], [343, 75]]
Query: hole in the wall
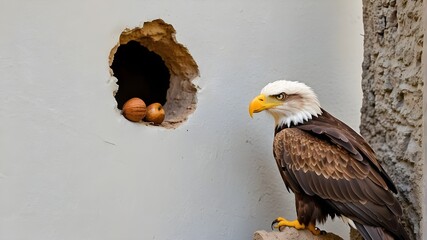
[[150, 64], [140, 73]]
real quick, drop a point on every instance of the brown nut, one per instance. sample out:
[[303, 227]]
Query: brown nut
[[134, 109], [155, 113]]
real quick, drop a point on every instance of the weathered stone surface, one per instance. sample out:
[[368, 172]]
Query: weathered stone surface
[[293, 234], [392, 104]]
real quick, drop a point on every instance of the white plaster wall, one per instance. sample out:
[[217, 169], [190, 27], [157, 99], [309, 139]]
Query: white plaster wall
[[71, 167]]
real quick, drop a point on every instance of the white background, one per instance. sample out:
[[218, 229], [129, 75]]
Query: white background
[[71, 167]]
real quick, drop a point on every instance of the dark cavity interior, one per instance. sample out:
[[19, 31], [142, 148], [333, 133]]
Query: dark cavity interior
[[140, 73]]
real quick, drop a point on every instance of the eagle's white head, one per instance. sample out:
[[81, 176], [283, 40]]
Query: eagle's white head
[[288, 102]]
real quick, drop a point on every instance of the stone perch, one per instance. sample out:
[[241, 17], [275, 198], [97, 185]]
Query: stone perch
[[292, 234]]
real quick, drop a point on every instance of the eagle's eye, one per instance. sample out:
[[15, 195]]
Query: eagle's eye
[[280, 96]]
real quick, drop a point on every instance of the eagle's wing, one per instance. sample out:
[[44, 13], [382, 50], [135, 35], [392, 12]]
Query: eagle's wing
[[331, 128], [316, 166]]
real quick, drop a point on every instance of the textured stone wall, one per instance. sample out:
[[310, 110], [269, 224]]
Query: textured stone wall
[[290, 233], [392, 97]]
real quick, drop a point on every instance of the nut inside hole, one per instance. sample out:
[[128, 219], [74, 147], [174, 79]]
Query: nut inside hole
[[150, 64], [140, 73]]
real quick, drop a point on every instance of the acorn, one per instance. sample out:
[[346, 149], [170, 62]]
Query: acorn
[[134, 109], [155, 113]]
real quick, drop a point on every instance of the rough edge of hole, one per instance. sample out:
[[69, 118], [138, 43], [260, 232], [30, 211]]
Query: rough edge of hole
[[159, 37]]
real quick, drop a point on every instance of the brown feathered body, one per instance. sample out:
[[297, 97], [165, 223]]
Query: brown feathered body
[[334, 172]]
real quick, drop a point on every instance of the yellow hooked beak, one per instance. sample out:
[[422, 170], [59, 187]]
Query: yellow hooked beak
[[261, 103]]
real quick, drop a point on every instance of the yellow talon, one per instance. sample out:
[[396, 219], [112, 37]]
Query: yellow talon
[[295, 224], [281, 222], [313, 229]]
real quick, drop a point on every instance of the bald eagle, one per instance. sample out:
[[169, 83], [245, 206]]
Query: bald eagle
[[328, 166]]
